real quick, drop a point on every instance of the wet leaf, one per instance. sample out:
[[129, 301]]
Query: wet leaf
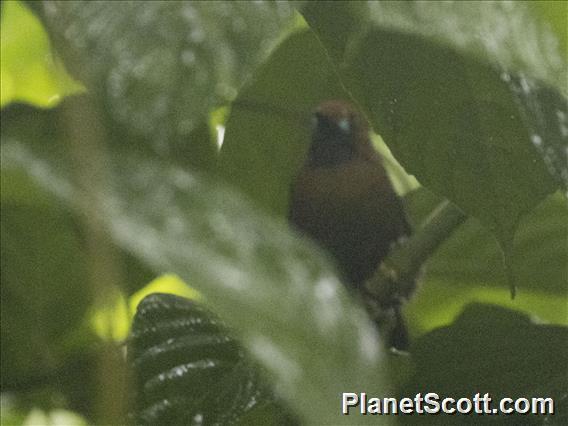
[[288, 309], [161, 67], [450, 282], [188, 368], [290, 312]]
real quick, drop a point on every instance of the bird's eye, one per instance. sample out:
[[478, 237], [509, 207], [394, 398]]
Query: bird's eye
[[344, 125], [315, 121]]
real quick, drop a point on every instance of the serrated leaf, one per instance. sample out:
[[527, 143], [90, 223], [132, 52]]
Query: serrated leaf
[[188, 368]]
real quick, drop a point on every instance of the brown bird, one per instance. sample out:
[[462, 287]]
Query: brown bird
[[343, 199]]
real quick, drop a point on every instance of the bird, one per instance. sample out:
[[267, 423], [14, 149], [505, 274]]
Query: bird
[[343, 199]]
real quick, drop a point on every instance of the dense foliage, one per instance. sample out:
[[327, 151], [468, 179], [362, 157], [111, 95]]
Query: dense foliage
[[114, 176]]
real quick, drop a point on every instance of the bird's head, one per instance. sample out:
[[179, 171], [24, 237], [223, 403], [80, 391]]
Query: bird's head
[[339, 132]]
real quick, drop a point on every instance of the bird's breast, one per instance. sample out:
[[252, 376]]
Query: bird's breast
[[352, 211], [349, 188]]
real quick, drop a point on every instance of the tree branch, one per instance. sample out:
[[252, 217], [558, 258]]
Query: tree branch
[[396, 278]]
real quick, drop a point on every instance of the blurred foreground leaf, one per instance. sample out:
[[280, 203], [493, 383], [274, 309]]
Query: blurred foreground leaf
[[30, 71], [54, 418], [43, 267], [290, 312], [161, 67]]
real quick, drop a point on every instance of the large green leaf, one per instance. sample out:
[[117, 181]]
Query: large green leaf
[[42, 132], [290, 311], [477, 275], [438, 302], [44, 266], [539, 252], [508, 35], [553, 14], [286, 306], [467, 96], [47, 285], [159, 68]]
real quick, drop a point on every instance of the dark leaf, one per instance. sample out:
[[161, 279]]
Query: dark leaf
[[188, 368], [491, 350]]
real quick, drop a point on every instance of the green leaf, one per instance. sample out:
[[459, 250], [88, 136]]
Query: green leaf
[[43, 270], [46, 285], [41, 131], [553, 14], [269, 128], [438, 302], [468, 99], [522, 36], [455, 134], [188, 367], [541, 235], [491, 350], [161, 67], [53, 418], [44, 263], [289, 310], [30, 71], [450, 282]]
